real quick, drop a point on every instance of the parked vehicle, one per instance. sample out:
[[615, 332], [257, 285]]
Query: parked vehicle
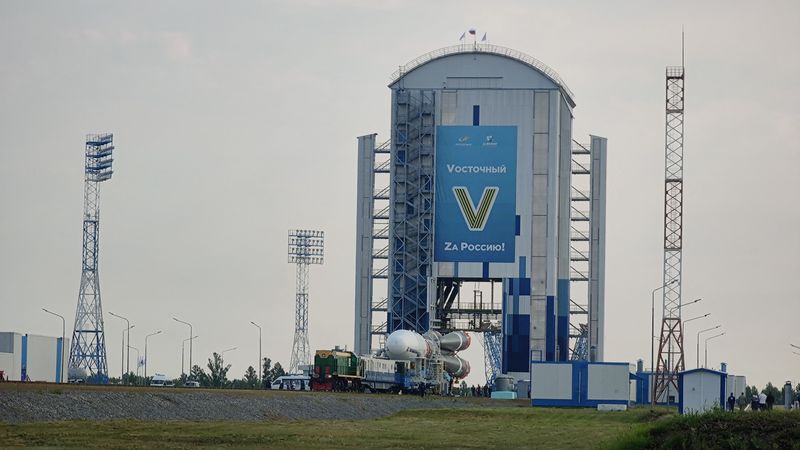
[[292, 383], [158, 380], [191, 384]]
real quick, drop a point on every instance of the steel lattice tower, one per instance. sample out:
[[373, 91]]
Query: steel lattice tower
[[492, 354], [88, 349], [670, 348], [305, 247]]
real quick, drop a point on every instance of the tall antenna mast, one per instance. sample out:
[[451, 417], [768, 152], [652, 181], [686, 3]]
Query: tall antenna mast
[[305, 247], [88, 348], [670, 348]]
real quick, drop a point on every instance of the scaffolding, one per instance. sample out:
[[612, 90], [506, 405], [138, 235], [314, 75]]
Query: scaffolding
[[411, 210]]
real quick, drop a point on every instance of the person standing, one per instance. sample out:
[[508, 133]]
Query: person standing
[[762, 401], [731, 402], [770, 401], [742, 402], [754, 403]]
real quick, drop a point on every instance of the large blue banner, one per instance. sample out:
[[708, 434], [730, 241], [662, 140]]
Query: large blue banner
[[476, 193]]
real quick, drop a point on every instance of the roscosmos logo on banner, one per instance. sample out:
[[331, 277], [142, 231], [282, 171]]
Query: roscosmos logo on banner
[[475, 218]]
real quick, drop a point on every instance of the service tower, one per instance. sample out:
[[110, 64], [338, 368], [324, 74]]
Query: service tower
[[478, 188]]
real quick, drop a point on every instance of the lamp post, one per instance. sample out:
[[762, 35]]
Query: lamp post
[[222, 353], [122, 359], [259, 366], [698, 342], [653, 323], [694, 318], [128, 355], [705, 363], [182, 353], [792, 345], [190, 339], [63, 343], [145, 350], [137, 358]]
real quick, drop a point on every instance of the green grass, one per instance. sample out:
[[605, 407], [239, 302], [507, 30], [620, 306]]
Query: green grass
[[504, 428], [760, 430]]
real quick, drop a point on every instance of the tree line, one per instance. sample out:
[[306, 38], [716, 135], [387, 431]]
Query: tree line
[[215, 375]]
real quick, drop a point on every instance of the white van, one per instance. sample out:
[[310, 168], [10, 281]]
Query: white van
[[158, 380], [292, 383]]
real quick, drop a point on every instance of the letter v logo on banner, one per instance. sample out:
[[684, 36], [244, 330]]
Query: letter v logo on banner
[[476, 216]]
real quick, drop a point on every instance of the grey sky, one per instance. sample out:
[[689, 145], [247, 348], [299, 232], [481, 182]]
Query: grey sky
[[235, 121]]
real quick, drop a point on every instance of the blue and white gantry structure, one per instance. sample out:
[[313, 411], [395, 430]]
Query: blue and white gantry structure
[[481, 181]]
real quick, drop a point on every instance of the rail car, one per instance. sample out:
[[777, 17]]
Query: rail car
[[337, 370]]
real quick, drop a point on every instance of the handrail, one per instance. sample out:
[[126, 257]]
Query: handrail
[[482, 48]]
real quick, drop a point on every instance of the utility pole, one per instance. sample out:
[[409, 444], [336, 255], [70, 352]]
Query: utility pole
[[260, 367]]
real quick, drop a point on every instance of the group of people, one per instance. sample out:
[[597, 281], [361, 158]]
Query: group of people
[[478, 391], [759, 402]]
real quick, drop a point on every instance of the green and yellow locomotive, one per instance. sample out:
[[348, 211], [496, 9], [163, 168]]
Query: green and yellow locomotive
[[335, 370]]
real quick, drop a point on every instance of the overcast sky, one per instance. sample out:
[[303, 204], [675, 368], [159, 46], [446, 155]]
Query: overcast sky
[[236, 121]]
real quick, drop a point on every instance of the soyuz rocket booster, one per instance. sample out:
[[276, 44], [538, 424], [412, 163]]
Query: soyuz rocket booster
[[406, 344]]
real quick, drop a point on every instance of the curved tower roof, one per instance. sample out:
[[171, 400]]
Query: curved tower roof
[[484, 49]]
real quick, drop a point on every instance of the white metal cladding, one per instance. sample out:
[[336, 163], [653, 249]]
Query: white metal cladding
[[551, 381], [484, 49], [364, 243], [608, 382], [11, 355], [597, 252], [701, 391], [41, 361]]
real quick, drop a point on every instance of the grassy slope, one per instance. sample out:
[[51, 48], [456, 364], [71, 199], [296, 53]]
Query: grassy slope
[[767, 430], [470, 428]]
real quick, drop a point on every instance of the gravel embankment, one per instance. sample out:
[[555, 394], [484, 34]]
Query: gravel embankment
[[67, 404]]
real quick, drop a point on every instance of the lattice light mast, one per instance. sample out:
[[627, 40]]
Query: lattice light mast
[[88, 348], [305, 247], [670, 348]]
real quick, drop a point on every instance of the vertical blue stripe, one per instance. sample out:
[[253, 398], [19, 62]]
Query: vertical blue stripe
[[485, 270], [517, 226], [455, 269], [562, 290], [550, 329], [59, 363], [522, 266], [24, 363], [476, 115], [576, 383]]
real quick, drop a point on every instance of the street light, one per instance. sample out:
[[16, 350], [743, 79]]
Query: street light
[[222, 353], [137, 358], [690, 303], [705, 363], [698, 342], [122, 359], [695, 318], [190, 340], [795, 346], [260, 368], [63, 343], [128, 356], [182, 353], [145, 350], [653, 322]]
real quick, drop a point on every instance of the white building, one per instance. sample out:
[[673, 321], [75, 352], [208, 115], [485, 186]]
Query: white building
[[30, 357], [701, 390]]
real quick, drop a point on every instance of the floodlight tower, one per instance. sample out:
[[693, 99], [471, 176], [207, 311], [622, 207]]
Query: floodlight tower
[[88, 348], [305, 247], [670, 348]]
